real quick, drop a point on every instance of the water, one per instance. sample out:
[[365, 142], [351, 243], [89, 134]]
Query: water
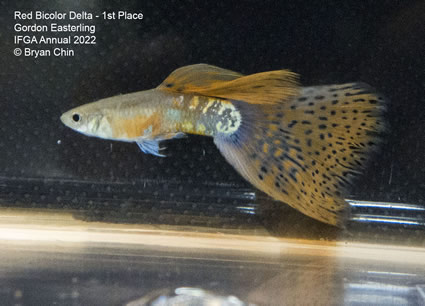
[[85, 221]]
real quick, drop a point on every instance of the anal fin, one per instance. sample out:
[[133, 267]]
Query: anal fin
[[150, 147]]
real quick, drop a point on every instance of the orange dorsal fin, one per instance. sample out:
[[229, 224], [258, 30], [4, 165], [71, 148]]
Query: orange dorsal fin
[[197, 76], [261, 88]]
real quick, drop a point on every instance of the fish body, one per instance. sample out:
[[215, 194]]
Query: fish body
[[300, 145], [154, 115]]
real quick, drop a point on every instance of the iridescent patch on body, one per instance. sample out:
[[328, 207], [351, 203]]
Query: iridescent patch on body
[[224, 114], [178, 101], [147, 132], [200, 128], [194, 102], [209, 116], [229, 118]]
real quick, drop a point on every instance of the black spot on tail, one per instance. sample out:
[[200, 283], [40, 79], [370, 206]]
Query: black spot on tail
[[349, 94], [292, 123]]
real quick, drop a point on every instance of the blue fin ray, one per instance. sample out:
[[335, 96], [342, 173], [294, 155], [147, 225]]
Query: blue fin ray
[[151, 146]]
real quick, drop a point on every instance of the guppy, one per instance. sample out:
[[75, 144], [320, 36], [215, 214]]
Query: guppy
[[300, 145]]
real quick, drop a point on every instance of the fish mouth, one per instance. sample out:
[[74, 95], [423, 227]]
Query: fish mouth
[[65, 118], [62, 118]]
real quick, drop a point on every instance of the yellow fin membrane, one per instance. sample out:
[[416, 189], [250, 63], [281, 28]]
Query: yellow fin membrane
[[270, 87], [305, 151], [198, 75]]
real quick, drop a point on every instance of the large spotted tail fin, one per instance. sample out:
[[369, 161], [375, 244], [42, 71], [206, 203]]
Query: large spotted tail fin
[[304, 151]]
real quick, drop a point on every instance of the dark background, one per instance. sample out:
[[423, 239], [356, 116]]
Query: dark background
[[378, 42]]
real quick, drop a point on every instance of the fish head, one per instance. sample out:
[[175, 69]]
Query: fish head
[[123, 117], [91, 119]]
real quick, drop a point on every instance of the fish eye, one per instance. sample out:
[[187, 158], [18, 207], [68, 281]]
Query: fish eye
[[76, 117]]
